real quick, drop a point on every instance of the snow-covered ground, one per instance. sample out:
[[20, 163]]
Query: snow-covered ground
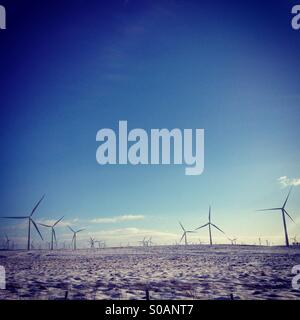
[[169, 272]]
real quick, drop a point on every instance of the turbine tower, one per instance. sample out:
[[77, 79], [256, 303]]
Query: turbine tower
[[30, 221], [100, 243], [7, 242], [283, 213], [209, 224], [53, 235], [74, 236], [92, 242], [184, 234]]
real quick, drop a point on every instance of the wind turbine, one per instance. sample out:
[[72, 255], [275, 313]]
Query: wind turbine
[[74, 236], [184, 234], [209, 224], [143, 242], [7, 242], [53, 234], [92, 242], [100, 243], [30, 221], [295, 240], [284, 213], [233, 241]]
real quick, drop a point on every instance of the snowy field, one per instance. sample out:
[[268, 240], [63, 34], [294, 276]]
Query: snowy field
[[169, 272]]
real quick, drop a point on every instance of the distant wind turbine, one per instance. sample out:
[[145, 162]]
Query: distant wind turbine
[[185, 232], [100, 243], [143, 242], [7, 242], [209, 224], [53, 235], [92, 242], [30, 221], [233, 241], [295, 240], [74, 236], [284, 213]]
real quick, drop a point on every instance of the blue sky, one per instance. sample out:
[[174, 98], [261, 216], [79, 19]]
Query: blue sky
[[71, 69]]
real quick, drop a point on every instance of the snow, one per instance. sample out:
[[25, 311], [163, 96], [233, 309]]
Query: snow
[[169, 272]]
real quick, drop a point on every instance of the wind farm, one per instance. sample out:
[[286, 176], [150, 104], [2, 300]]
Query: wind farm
[[150, 150], [189, 269]]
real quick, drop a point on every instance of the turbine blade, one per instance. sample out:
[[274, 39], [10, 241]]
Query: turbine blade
[[289, 215], [37, 229], [271, 209], [57, 221], [287, 198], [71, 229], [218, 228], [79, 230], [181, 226], [209, 213], [32, 212], [182, 237], [202, 226], [15, 217], [44, 225]]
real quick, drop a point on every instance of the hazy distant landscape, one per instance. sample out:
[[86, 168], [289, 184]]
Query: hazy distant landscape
[[168, 272]]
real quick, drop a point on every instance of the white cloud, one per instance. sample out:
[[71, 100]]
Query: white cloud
[[286, 182], [128, 217]]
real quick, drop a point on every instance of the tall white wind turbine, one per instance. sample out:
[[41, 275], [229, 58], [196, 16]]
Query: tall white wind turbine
[[74, 236], [283, 213], [53, 235], [209, 225], [184, 235], [30, 221]]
